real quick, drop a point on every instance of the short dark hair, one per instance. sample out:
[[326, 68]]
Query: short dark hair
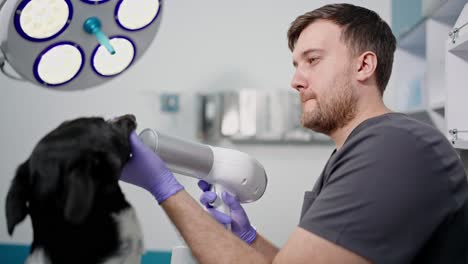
[[363, 30]]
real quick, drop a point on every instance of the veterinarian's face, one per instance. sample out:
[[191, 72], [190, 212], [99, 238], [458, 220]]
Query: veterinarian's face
[[323, 77], [72, 167]]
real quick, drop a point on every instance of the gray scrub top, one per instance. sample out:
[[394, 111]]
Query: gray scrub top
[[385, 192]]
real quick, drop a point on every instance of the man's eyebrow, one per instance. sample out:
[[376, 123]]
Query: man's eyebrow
[[306, 52]]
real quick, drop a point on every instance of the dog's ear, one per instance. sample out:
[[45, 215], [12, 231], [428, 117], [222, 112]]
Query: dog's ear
[[83, 180], [79, 191], [18, 197]]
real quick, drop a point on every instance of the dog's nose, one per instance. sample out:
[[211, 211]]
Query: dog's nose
[[127, 117], [126, 121]]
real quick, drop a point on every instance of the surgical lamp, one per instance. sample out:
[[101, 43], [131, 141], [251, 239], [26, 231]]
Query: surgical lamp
[[75, 44]]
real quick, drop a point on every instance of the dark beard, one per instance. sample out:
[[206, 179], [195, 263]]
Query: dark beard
[[334, 113]]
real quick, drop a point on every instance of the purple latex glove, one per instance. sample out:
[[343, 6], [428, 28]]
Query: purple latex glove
[[146, 170], [240, 224]]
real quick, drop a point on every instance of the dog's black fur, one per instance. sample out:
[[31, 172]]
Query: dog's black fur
[[69, 187]]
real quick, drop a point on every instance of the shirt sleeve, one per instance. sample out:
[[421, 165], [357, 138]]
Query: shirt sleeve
[[385, 195]]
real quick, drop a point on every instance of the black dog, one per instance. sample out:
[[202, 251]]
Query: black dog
[[69, 187]]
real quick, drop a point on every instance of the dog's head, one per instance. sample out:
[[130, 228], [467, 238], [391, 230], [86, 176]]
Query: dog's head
[[69, 169]]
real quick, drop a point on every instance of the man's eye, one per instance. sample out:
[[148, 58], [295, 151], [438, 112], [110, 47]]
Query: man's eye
[[313, 60]]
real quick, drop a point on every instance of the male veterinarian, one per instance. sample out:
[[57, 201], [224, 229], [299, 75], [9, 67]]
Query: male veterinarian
[[388, 186]]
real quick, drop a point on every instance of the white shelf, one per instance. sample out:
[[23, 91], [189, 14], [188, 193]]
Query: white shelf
[[438, 120], [460, 144], [448, 11], [456, 81], [438, 108], [436, 39], [437, 105], [424, 49], [414, 39], [460, 47]]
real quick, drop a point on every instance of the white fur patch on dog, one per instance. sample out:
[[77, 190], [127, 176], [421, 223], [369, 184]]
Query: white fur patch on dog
[[38, 256], [130, 245], [131, 239]]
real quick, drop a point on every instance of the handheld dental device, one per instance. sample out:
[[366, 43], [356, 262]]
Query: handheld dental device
[[226, 169]]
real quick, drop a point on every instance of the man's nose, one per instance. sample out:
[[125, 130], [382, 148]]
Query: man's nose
[[298, 81]]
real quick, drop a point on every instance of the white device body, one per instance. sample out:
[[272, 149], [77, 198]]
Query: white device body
[[236, 172]]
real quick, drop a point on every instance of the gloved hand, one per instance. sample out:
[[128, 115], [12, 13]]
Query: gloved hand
[[146, 169], [240, 224]]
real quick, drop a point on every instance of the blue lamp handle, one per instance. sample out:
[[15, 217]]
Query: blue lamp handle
[[92, 25]]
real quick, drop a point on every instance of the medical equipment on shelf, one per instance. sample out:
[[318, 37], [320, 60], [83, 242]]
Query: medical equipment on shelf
[[70, 45]]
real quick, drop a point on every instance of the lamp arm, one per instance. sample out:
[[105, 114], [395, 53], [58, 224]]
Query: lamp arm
[[2, 57], [3, 70], [2, 3]]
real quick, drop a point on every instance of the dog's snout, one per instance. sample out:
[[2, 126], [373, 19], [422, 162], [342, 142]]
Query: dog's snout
[[126, 122], [130, 117], [127, 118]]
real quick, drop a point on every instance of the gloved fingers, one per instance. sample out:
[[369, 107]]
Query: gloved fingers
[[219, 216], [207, 197], [134, 138], [204, 186], [138, 148], [124, 175], [231, 201], [135, 143]]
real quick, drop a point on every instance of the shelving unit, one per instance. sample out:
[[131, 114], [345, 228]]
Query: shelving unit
[[253, 117], [422, 48], [457, 82], [414, 40]]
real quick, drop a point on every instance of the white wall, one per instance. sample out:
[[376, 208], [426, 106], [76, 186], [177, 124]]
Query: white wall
[[205, 45]]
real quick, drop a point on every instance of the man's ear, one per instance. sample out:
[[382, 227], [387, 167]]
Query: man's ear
[[366, 66], [80, 190], [18, 197]]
